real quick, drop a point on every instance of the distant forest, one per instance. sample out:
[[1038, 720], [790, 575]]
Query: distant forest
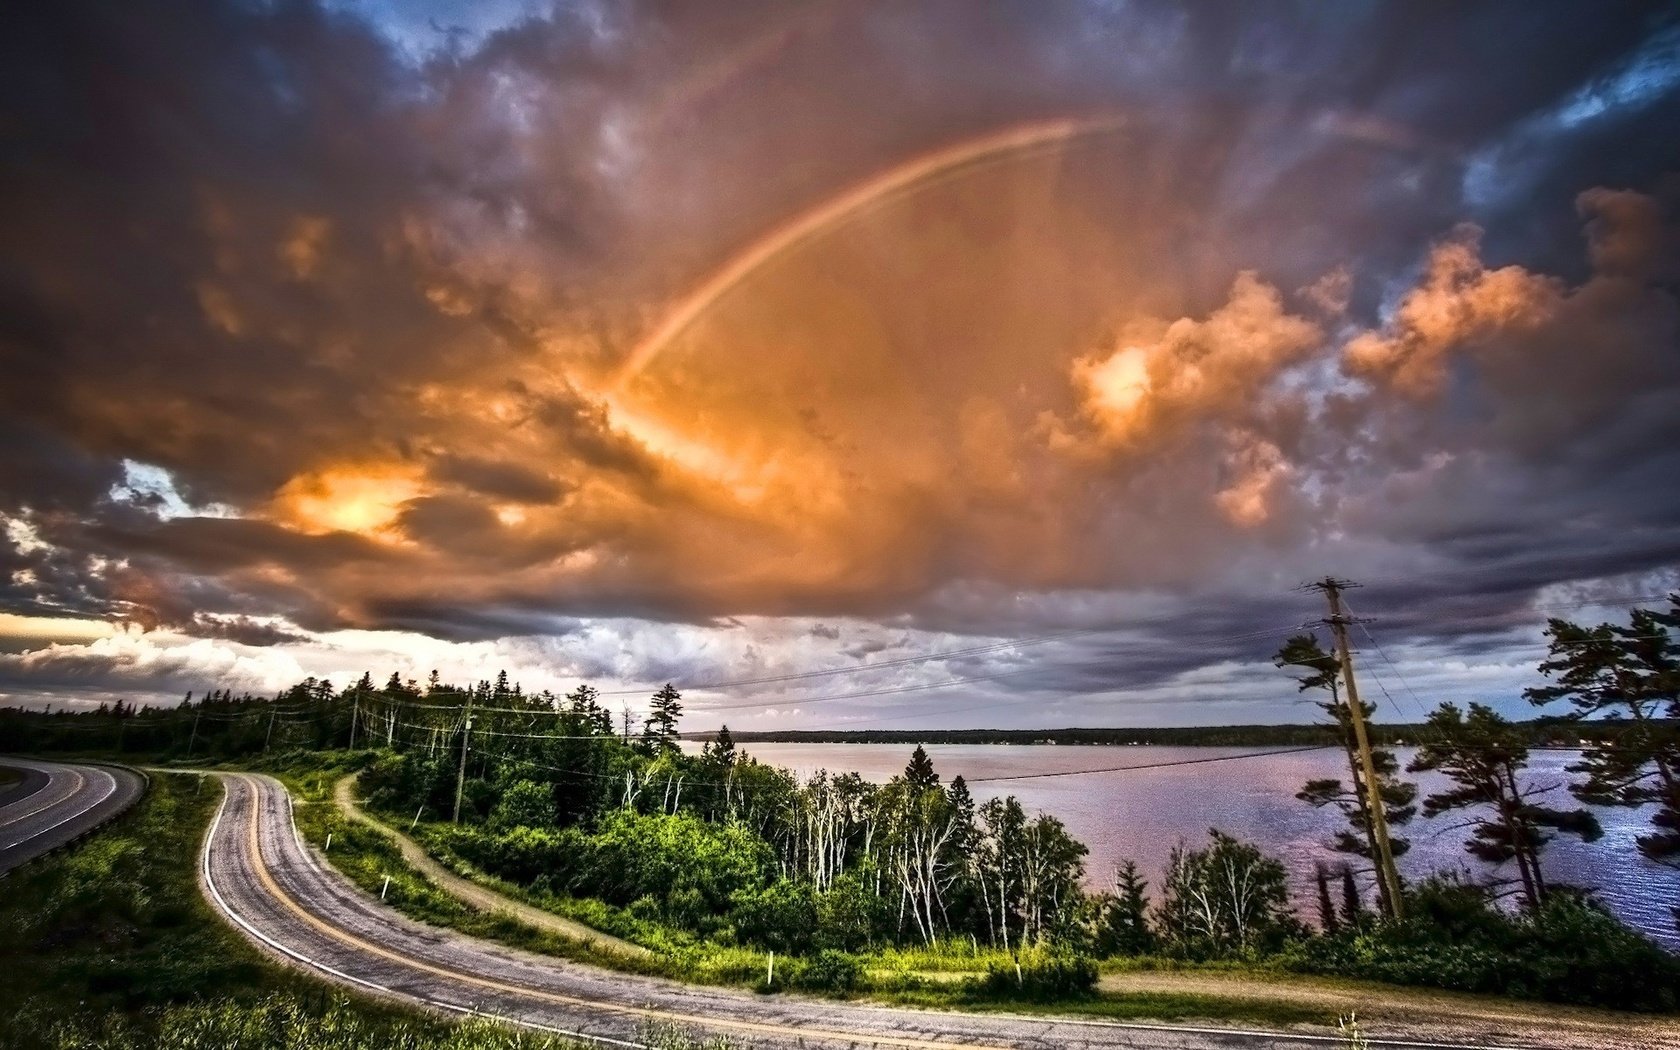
[[1539, 732]]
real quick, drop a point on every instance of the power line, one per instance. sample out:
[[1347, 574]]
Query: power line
[[1152, 765]]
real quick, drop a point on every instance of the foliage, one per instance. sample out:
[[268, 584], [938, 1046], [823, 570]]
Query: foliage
[[1630, 674], [830, 971], [1226, 899], [1570, 951], [1483, 759], [1322, 671], [1123, 926], [1041, 976]]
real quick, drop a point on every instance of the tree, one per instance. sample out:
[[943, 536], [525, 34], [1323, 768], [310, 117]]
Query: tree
[[919, 773], [1323, 671], [1630, 673], [721, 749], [659, 732], [1227, 898], [1483, 756], [1125, 921], [525, 803]]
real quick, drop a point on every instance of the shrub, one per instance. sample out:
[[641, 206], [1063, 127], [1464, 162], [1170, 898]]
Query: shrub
[[1571, 951], [1040, 976], [781, 917], [830, 971]]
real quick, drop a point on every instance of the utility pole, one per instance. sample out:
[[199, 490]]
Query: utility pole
[[461, 773], [192, 740], [267, 739], [355, 713], [1338, 622]]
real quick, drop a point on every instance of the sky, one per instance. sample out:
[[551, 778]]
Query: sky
[[848, 364]]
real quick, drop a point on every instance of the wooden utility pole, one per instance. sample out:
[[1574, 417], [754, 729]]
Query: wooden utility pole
[[461, 773], [355, 713], [1338, 622]]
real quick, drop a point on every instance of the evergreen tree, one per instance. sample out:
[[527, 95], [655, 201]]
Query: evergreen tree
[[1484, 756], [1631, 673], [659, 732], [721, 749], [919, 773], [1126, 928], [1326, 906], [1323, 671]]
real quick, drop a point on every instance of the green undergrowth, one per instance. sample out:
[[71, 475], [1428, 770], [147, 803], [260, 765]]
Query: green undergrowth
[[111, 945]]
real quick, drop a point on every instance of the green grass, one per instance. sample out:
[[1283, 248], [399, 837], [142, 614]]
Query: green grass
[[1129, 1006], [111, 945]]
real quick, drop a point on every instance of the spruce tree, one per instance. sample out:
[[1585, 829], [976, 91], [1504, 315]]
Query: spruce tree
[[919, 773], [659, 732]]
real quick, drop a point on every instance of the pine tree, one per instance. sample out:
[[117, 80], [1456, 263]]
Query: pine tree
[[659, 732], [1631, 673], [1483, 755], [722, 748], [1326, 906], [919, 773], [1353, 907], [1323, 671], [1128, 931]]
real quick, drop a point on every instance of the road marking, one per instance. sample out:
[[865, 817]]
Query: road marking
[[112, 790], [50, 803], [226, 909]]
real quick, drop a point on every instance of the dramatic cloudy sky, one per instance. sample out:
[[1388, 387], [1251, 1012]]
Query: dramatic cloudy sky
[[716, 343]]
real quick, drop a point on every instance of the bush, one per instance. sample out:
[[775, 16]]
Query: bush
[[1572, 951], [1040, 976], [781, 917], [830, 971]]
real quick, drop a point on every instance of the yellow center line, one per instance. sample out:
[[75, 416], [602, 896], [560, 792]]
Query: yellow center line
[[760, 1027]]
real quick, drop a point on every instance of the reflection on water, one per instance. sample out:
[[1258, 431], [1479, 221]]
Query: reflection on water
[[1141, 814]]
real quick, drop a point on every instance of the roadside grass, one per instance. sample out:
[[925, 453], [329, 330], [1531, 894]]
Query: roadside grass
[[111, 945]]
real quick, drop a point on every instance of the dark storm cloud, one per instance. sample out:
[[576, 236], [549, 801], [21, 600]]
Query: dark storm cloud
[[356, 300]]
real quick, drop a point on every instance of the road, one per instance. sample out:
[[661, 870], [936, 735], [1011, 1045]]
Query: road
[[56, 803], [258, 873]]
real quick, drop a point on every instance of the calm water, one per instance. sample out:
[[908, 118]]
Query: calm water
[[1141, 814]]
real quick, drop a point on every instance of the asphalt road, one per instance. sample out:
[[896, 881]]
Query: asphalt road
[[56, 803], [259, 874]]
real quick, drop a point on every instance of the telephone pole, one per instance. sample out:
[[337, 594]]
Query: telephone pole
[[461, 773], [1338, 621]]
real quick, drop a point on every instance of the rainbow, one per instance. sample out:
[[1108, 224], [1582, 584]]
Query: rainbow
[[910, 176]]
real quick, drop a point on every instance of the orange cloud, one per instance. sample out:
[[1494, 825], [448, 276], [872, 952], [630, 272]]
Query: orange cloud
[[1159, 377]]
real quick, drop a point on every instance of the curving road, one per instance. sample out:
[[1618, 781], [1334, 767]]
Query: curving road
[[56, 803], [259, 874]]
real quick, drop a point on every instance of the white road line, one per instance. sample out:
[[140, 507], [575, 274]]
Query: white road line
[[51, 802], [221, 903], [112, 790]]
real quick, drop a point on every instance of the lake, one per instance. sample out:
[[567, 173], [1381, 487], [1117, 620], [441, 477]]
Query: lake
[[1141, 814]]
